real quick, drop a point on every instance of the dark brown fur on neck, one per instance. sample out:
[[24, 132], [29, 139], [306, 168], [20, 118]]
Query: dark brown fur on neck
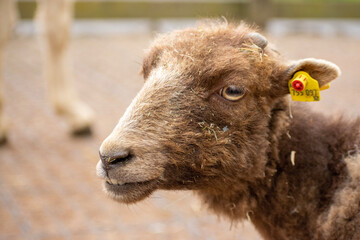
[[287, 202]]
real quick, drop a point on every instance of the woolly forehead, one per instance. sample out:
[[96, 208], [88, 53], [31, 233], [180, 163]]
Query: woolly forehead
[[210, 59]]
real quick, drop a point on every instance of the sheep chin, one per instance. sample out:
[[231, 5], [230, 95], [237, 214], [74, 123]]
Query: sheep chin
[[130, 192]]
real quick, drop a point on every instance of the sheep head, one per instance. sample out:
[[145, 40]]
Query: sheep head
[[201, 120]]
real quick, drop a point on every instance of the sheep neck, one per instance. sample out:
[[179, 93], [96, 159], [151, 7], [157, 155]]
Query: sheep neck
[[289, 199]]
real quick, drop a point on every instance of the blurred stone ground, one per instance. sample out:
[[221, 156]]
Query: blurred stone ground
[[48, 186]]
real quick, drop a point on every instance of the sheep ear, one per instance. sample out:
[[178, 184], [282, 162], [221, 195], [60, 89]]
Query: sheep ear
[[321, 70]]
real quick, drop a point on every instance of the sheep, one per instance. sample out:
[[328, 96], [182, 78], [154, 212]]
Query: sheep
[[213, 117], [54, 18]]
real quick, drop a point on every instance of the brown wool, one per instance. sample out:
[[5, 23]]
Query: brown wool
[[239, 156]]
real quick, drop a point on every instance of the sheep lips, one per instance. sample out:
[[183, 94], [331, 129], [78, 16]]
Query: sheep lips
[[125, 191]]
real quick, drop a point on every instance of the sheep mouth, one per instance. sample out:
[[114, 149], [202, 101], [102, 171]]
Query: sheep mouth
[[126, 185], [130, 192]]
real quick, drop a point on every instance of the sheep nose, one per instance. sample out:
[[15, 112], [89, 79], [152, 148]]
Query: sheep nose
[[119, 157]]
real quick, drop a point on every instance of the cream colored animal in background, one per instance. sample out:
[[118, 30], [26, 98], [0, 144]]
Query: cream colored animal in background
[[54, 19]]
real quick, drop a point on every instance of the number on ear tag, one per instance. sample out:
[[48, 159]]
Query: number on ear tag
[[304, 88]]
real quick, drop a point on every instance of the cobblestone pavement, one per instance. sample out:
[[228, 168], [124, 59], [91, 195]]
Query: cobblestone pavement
[[48, 186]]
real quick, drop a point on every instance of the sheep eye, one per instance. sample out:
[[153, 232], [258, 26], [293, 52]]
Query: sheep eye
[[232, 93]]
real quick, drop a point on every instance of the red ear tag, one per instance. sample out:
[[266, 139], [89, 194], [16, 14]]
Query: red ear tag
[[297, 85], [300, 82]]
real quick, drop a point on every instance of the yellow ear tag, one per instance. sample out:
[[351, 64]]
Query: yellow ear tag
[[304, 88]]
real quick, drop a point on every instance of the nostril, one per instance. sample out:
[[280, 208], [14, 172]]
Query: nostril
[[119, 158], [116, 158]]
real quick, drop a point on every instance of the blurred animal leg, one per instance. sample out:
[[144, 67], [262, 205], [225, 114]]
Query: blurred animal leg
[[8, 17], [2, 119], [54, 18]]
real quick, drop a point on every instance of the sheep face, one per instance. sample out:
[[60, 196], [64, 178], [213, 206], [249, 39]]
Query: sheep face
[[201, 120]]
